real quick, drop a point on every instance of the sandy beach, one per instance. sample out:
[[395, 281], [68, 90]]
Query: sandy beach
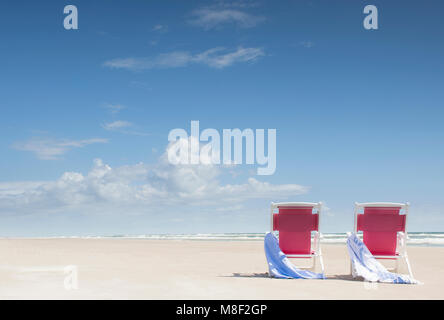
[[170, 269]]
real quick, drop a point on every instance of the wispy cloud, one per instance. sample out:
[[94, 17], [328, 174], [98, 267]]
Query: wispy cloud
[[124, 127], [217, 58], [114, 108], [307, 44], [140, 84], [210, 18], [160, 28], [119, 124], [52, 149]]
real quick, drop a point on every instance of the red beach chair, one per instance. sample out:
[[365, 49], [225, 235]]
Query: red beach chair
[[384, 230], [293, 223]]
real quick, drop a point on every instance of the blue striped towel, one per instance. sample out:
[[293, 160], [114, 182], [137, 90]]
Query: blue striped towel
[[279, 265]]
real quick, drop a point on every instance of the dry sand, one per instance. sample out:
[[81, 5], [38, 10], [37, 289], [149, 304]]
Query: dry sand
[[169, 269]]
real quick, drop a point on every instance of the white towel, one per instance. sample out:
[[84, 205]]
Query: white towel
[[366, 266]]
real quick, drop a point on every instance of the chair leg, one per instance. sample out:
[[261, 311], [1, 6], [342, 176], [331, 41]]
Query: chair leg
[[321, 262], [317, 259], [402, 244], [409, 268]]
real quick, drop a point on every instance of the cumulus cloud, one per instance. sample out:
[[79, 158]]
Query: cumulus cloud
[[52, 149], [140, 185], [217, 58], [210, 18]]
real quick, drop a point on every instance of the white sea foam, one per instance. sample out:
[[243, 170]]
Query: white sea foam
[[414, 238]]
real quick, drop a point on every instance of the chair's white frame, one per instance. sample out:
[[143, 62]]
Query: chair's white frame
[[317, 255], [401, 246]]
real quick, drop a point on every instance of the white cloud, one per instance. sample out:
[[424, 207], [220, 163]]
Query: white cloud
[[140, 85], [217, 57], [124, 127], [209, 18], [160, 28], [52, 149], [307, 44], [140, 185], [119, 124], [165, 60], [114, 108], [214, 59]]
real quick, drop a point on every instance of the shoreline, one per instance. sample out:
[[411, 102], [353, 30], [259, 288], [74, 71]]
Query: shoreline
[[137, 238]]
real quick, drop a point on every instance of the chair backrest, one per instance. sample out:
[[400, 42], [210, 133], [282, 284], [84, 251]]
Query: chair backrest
[[295, 221], [380, 224]]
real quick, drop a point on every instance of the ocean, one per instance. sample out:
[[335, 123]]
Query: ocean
[[414, 238]]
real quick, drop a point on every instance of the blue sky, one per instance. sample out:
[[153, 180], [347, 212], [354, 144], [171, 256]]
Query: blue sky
[[86, 113]]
